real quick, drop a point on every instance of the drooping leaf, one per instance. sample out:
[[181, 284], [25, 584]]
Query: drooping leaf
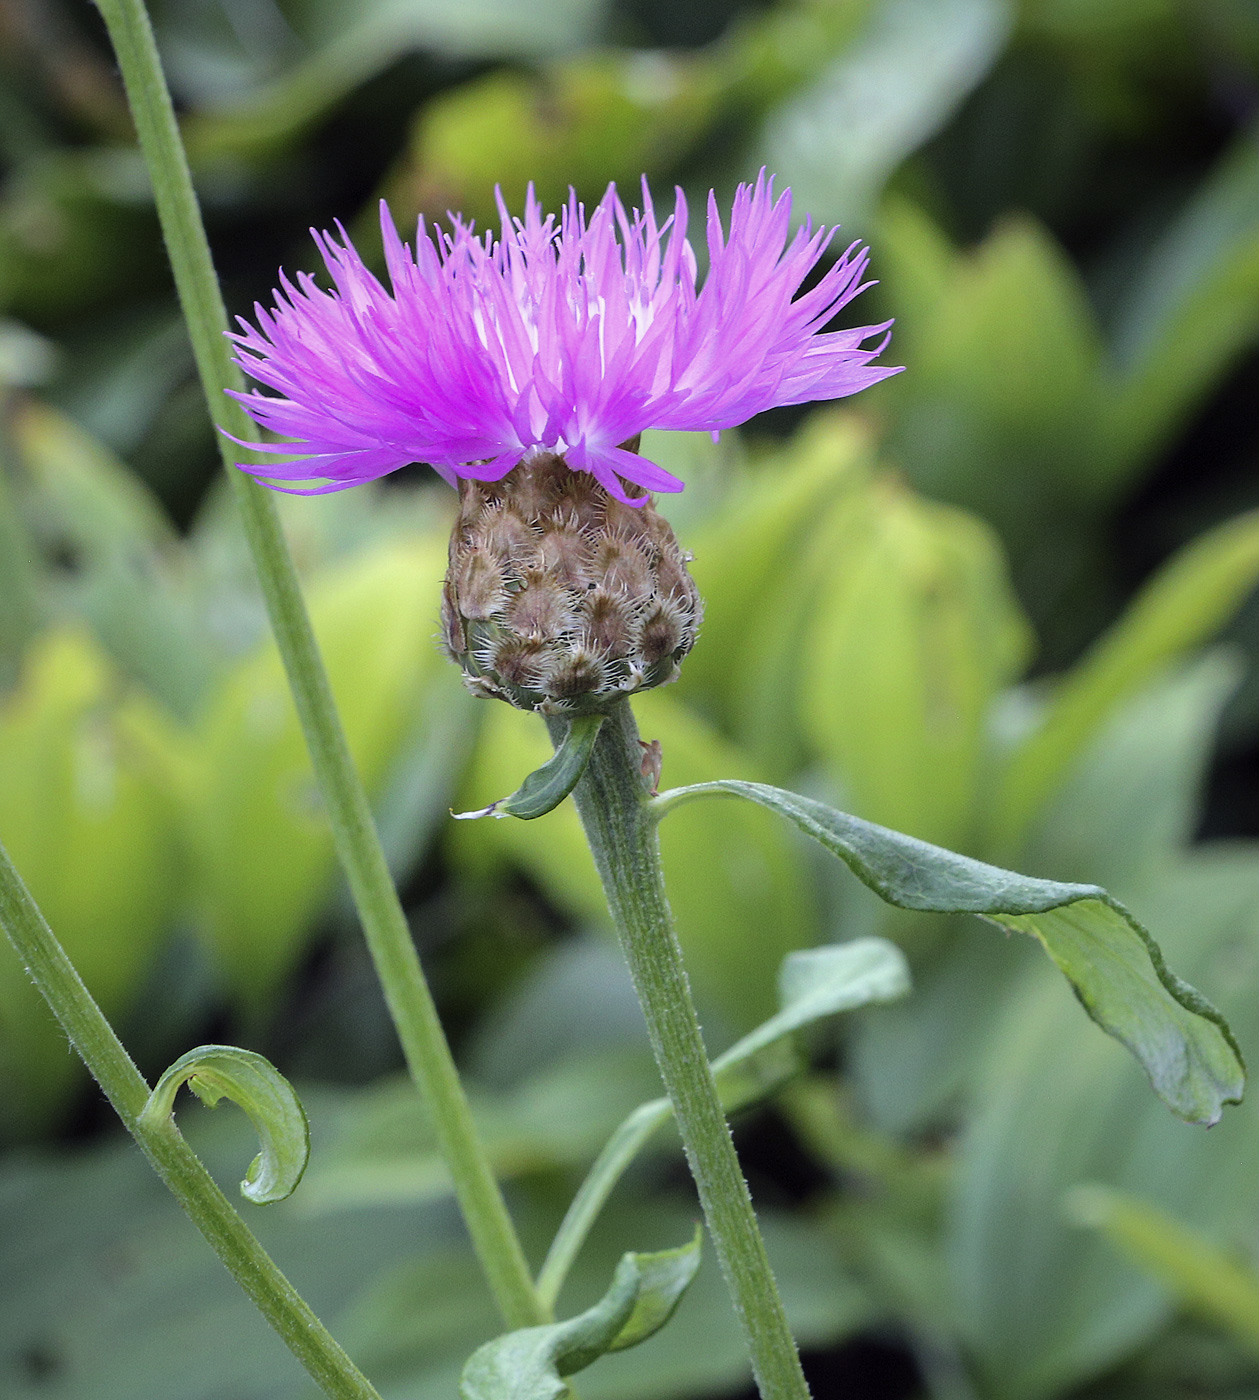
[[1128, 808], [216, 1072], [1115, 967], [1043, 1305], [530, 1364]]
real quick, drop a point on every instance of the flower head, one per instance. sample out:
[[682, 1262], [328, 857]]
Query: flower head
[[566, 337]]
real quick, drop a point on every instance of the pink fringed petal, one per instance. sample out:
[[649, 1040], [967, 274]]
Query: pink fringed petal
[[569, 334]]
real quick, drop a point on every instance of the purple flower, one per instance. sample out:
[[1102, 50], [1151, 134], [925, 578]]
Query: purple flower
[[568, 338]]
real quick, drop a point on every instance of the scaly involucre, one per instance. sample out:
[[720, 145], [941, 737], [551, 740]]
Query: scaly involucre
[[567, 338]]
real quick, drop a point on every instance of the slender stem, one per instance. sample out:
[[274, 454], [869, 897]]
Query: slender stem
[[175, 1162], [358, 846], [612, 803]]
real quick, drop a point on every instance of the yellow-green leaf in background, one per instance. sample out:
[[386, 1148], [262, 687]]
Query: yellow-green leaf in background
[[913, 632], [1207, 1280], [581, 123], [1001, 411], [85, 814], [742, 554], [125, 571], [261, 843], [1184, 605]]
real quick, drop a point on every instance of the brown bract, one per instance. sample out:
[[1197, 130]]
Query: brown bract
[[560, 598]]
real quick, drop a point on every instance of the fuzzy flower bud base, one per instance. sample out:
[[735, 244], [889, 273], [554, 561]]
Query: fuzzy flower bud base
[[559, 597]]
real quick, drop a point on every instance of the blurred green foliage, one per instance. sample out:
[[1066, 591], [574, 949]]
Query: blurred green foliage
[[1004, 602]]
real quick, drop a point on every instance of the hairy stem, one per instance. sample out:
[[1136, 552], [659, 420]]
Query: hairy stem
[[621, 829], [358, 846], [175, 1162]]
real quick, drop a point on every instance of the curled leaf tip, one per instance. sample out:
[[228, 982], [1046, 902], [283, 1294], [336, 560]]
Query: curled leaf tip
[[217, 1072]]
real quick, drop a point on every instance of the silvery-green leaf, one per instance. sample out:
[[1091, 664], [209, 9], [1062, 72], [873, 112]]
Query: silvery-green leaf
[[1115, 967], [812, 984], [530, 1364]]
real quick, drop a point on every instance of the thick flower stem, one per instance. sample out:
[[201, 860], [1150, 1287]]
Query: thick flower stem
[[172, 1158], [358, 846], [612, 803]]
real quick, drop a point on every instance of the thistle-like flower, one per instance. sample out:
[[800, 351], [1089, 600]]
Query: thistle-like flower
[[511, 365], [567, 338]]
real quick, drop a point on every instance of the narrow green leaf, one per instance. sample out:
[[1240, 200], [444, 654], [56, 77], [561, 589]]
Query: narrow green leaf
[[1116, 968], [1203, 1277], [530, 1364], [215, 1072], [1186, 603], [546, 787], [1189, 309], [888, 92]]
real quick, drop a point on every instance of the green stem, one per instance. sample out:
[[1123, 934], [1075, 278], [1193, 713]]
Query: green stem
[[358, 846], [621, 829], [175, 1162]]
